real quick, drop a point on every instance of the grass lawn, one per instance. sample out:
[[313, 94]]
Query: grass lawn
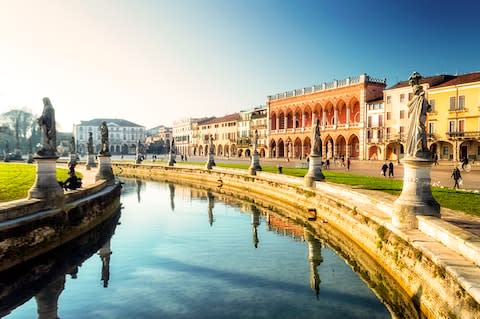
[[17, 178]]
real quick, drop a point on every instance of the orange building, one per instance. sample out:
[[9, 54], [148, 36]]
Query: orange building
[[339, 105]]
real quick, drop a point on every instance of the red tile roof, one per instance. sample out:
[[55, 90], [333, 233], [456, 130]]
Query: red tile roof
[[461, 79], [226, 118], [431, 80]]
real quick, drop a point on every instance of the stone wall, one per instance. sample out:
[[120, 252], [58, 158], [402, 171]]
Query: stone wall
[[28, 230], [413, 259]]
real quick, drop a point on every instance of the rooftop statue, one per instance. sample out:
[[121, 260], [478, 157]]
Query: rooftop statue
[[104, 139], [417, 116], [317, 142], [48, 130]]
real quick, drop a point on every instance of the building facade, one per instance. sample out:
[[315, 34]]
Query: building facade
[[396, 113], [158, 139], [182, 133], [224, 131], [454, 123], [340, 107], [123, 135], [375, 130]]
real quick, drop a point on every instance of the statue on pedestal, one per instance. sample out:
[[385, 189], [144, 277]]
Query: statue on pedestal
[[104, 139], [317, 142], [255, 141], [211, 149], [90, 144], [49, 133], [417, 116], [72, 145]]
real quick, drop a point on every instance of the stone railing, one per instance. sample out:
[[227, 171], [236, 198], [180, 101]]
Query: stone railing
[[326, 86]]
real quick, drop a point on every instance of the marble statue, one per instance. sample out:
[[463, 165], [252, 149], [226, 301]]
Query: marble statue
[[317, 142], [72, 145], [47, 125], [211, 149], [255, 141], [417, 116], [90, 143], [104, 138]]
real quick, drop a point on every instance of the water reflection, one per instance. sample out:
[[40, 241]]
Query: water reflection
[[211, 204], [44, 277], [171, 187], [104, 254], [255, 224], [315, 259]]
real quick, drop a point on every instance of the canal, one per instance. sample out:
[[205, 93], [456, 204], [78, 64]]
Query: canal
[[180, 252]]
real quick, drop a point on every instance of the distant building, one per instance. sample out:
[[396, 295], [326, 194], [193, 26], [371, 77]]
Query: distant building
[[453, 126], [123, 135], [251, 120], [224, 132], [375, 130], [158, 139]]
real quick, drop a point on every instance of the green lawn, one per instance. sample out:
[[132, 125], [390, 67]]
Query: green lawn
[[16, 179]]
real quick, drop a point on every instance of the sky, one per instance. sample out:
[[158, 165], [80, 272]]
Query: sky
[[154, 62]]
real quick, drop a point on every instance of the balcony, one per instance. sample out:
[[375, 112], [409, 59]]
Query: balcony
[[460, 135]]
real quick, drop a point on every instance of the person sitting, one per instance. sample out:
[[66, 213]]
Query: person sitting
[[72, 182]]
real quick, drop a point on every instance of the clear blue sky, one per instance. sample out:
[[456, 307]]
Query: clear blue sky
[[153, 62]]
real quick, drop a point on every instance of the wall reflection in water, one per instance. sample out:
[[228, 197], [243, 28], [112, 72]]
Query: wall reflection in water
[[44, 277]]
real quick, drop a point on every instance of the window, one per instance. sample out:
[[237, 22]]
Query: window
[[402, 114], [380, 120], [445, 150], [389, 116], [432, 104], [402, 130], [402, 98], [461, 102], [388, 132], [410, 96], [453, 103], [389, 99], [369, 123], [431, 128], [461, 125], [451, 126]]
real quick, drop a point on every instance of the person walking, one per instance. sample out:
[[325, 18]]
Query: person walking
[[456, 177], [390, 169], [435, 158], [348, 163], [384, 169]]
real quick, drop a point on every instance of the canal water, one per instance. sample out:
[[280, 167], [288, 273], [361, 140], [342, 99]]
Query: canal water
[[181, 252]]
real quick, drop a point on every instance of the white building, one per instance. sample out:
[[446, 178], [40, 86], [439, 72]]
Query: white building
[[123, 135]]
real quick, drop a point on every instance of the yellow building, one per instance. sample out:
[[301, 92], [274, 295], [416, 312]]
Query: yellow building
[[454, 123]]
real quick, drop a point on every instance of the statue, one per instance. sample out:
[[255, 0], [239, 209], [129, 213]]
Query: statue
[[90, 143], [317, 142], [47, 126], [417, 115], [104, 139], [72, 145], [255, 141], [211, 149], [172, 146]]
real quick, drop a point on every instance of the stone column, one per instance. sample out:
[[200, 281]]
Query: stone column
[[285, 122], [90, 161], [347, 151], [348, 117], [277, 123], [416, 197], [294, 121], [303, 120], [335, 116], [324, 118], [46, 186], [105, 169]]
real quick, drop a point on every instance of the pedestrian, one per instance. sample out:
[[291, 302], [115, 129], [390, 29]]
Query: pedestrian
[[456, 177], [464, 162], [383, 170], [348, 163], [435, 159], [390, 169], [327, 164]]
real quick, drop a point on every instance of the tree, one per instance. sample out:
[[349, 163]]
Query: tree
[[19, 126]]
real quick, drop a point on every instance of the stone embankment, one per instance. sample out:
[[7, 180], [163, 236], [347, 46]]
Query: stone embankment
[[436, 265], [30, 227]]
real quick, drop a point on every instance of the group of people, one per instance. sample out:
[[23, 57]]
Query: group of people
[[388, 167]]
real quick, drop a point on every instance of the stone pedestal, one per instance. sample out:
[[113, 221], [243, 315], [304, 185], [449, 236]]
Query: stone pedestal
[[90, 161], [138, 159], [314, 170], [211, 161], [47, 299], [255, 164], [416, 197], [105, 169], [171, 159], [46, 186]]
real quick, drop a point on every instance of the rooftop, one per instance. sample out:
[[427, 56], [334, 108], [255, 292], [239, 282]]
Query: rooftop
[[430, 80], [119, 122], [461, 79]]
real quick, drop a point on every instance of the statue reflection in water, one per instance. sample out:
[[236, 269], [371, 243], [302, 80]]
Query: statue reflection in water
[[139, 188], [211, 202], [315, 259], [104, 254], [255, 223], [171, 187]]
